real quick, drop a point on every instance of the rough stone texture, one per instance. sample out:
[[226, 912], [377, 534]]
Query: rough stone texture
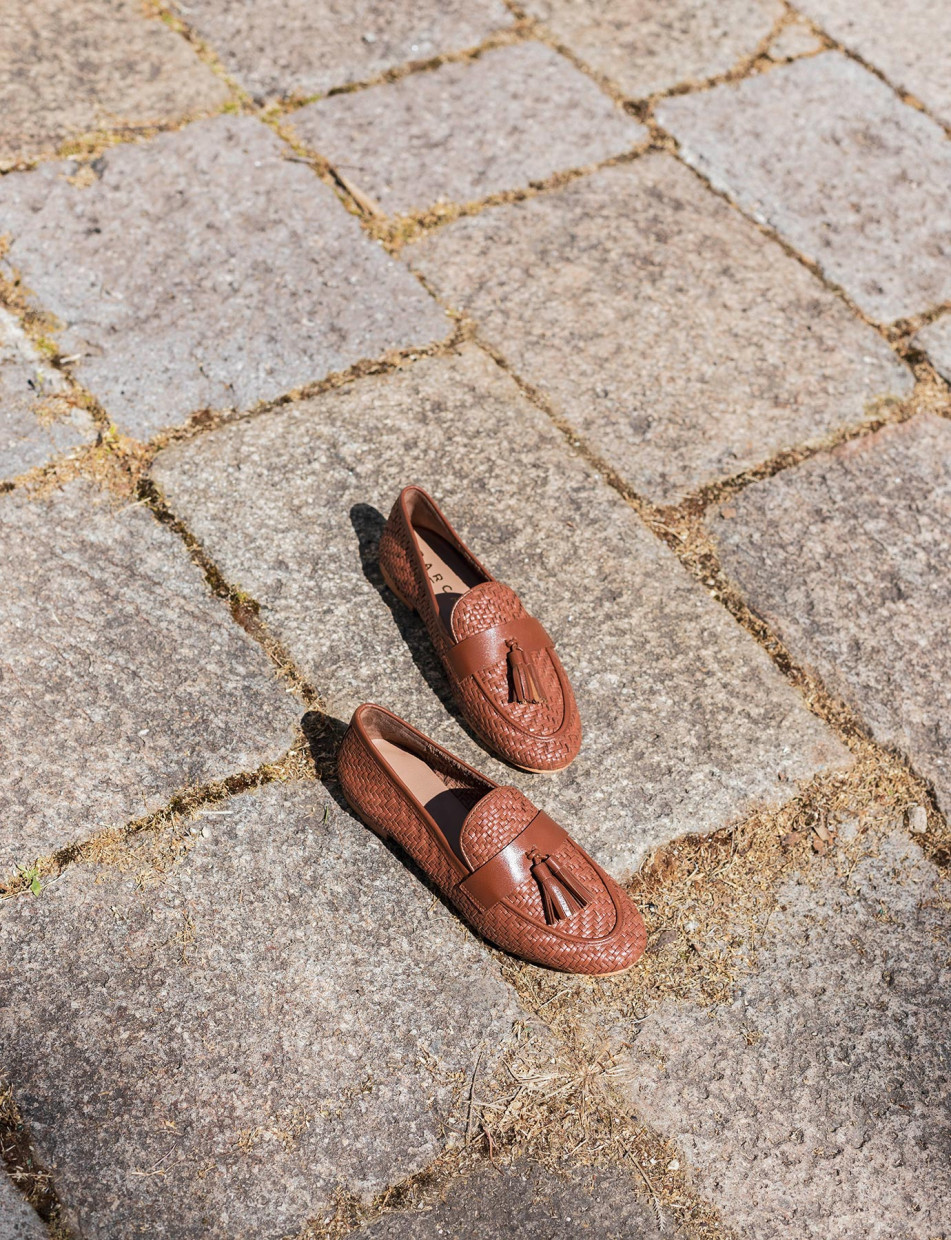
[[935, 339], [660, 324], [34, 424], [911, 44], [816, 1104], [527, 1202], [515, 115], [296, 47], [848, 557], [69, 67], [644, 47], [121, 679], [831, 158], [290, 506], [271, 1019], [18, 1220], [249, 278], [796, 39]]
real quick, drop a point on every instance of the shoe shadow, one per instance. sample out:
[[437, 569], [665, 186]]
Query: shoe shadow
[[368, 525], [324, 734]]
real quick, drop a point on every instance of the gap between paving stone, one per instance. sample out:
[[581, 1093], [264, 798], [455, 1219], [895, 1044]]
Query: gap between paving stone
[[18, 1219], [273, 62], [38, 420], [639, 56], [27, 1196]]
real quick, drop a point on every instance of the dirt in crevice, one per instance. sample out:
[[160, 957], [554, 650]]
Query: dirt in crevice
[[18, 1160]]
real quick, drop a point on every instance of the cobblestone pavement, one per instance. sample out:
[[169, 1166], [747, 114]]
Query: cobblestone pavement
[[657, 300]]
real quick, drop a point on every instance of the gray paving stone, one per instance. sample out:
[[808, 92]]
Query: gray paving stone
[[35, 423], [643, 47], [294, 47], [71, 67], [911, 45], [829, 156], [289, 505], [121, 679], [18, 1220], [848, 558], [517, 114], [660, 324], [215, 1053], [815, 1105], [527, 1201], [935, 339], [249, 277]]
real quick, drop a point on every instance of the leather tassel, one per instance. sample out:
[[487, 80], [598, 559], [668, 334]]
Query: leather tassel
[[562, 894], [525, 684]]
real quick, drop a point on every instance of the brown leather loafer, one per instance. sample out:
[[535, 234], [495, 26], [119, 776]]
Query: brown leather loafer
[[516, 876], [502, 666]]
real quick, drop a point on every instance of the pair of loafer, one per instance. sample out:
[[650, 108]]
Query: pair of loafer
[[513, 873]]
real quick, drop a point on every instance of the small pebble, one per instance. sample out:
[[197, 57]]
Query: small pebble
[[673, 1165], [917, 819], [205, 832]]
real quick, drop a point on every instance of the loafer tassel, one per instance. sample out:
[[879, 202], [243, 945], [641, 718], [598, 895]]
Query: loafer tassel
[[525, 686], [562, 894]]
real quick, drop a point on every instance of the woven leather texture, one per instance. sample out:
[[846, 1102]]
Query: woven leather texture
[[543, 736], [606, 936]]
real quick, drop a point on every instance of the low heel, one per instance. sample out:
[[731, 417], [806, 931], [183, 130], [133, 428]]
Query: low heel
[[390, 586], [396, 566]]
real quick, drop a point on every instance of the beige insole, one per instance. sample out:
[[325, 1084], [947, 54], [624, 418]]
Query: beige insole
[[450, 574], [447, 806]]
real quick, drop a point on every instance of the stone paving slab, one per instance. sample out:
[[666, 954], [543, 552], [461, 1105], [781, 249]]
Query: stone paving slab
[[123, 681], [526, 1201], [18, 1220], [829, 156], [644, 48], [71, 67], [815, 1105], [289, 505], [911, 45], [295, 47], [661, 324], [35, 424], [935, 339], [249, 276], [848, 558], [215, 1053], [517, 114]]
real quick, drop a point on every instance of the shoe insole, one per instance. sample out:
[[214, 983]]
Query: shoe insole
[[450, 574], [448, 807]]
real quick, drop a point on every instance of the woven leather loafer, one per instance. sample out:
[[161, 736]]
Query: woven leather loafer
[[516, 876], [501, 664]]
